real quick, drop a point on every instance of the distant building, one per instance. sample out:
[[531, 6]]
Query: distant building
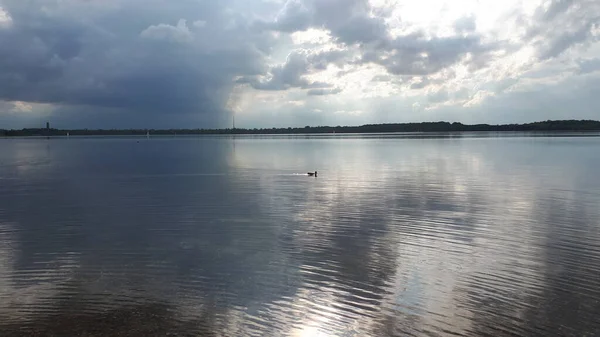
[[47, 126]]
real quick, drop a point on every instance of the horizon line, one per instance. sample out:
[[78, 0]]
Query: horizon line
[[308, 126]]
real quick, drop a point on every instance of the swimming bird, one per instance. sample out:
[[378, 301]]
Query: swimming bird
[[312, 173]]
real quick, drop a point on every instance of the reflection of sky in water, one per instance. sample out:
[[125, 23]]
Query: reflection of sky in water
[[395, 237]]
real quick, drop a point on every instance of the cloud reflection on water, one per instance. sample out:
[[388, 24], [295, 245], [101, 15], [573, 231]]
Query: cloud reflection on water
[[395, 237]]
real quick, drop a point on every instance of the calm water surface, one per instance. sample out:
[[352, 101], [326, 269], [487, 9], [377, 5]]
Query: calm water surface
[[398, 236]]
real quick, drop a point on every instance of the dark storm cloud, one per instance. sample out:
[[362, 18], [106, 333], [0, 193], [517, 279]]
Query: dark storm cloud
[[137, 56]]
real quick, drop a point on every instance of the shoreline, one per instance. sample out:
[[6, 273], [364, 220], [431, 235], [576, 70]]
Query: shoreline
[[411, 128]]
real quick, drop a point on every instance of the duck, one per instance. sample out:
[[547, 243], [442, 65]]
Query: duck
[[312, 173]]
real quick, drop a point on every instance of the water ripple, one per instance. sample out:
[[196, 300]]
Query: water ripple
[[227, 237]]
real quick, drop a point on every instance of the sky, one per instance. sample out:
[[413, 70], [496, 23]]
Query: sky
[[277, 63]]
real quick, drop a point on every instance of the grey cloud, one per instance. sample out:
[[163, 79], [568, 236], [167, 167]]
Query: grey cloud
[[9, 107], [351, 24], [553, 30], [461, 94], [199, 23], [360, 29], [348, 20], [438, 96], [292, 73], [316, 85], [421, 84], [502, 85], [344, 72], [295, 16], [322, 92], [554, 9], [561, 25], [321, 60], [129, 55], [465, 24], [129, 61], [381, 78], [286, 76], [561, 42], [179, 33], [575, 99], [415, 55], [577, 96], [589, 66]]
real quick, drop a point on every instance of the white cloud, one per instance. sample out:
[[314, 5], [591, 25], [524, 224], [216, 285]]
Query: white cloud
[[22, 107], [178, 33], [5, 19], [478, 98], [348, 112]]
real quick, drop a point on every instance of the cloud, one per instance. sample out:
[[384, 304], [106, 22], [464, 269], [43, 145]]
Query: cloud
[[416, 54], [199, 23], [292, 73], [15, 107], [351, 24], [438, 96], [563, 41], [322, 92], [588, 65], [381, 78], [285, 76], [422, 83], [294, 16], [5, 19], [179, 33], [465, 24], [348, 20], [92, 54], [576, 20], [190, 62]]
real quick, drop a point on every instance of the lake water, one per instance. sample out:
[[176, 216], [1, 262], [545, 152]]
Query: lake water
[[471, 235]]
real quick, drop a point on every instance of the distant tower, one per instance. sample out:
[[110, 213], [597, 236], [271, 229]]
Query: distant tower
[[47, 126], [233, 123]]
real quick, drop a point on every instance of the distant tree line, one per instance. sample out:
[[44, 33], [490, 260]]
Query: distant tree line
[[550, 125]]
